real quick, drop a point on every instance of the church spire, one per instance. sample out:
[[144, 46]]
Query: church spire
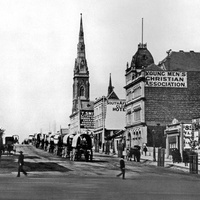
[[81, 44], [81, 34], [110, 87], [81, 85], [80, 62]]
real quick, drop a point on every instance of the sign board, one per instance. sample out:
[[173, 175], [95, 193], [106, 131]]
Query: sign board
[[87, 119], [173, 79], [115, 114], [187, 136]]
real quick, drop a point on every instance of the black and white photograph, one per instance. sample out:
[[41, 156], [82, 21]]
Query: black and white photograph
[[100, 99]]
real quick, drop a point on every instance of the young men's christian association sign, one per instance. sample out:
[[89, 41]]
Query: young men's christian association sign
[[172, 79]]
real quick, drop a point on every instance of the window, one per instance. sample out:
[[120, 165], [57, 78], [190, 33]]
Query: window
[[137, 115], [82, 91], [137, 92], [129, 117], [129, 95]]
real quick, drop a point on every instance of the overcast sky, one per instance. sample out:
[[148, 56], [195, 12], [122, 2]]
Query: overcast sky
[[38, 47]]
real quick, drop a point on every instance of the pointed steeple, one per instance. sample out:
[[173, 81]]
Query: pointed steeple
[[81, 85], [81, 34], [81, 62], [110, 87], [111, 93]]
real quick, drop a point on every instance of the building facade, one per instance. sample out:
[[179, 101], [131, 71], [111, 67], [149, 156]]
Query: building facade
[[156, 94], [136, 128], [109, 119]]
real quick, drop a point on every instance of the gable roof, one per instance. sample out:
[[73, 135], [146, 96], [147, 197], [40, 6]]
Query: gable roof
[[112, 95]]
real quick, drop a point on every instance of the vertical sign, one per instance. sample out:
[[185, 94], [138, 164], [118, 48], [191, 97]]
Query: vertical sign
[[87, 119]]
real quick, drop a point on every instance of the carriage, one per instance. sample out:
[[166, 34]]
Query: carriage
[[67, 146], [82, 145]]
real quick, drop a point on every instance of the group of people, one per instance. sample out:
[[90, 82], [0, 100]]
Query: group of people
[[128, 156]]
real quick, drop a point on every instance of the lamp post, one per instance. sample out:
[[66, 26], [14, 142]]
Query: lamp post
[[154, 149]]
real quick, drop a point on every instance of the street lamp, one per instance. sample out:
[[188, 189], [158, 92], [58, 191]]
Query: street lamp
[[154, 149]]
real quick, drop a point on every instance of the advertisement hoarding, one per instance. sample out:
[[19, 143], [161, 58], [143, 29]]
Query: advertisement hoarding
[[87, 119]]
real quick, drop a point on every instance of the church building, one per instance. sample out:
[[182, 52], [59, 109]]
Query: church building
[[81, 119]]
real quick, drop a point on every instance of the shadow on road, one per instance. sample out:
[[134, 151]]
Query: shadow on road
[[47, 166]]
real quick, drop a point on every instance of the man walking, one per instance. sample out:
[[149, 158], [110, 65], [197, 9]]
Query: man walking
[[21, 164], [122, 167]]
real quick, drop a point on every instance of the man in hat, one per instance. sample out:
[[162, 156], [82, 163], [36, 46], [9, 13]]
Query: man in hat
[[122, 167], [21, 164]]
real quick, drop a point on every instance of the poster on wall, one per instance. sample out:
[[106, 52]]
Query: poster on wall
[[171, 79], [87, 119], [187, 136], [115, 114]]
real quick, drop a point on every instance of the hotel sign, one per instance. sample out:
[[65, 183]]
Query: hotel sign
[[171, 79], [117, 105]]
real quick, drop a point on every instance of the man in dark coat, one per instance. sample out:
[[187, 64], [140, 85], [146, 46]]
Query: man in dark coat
[[122, 167], [21, 164]]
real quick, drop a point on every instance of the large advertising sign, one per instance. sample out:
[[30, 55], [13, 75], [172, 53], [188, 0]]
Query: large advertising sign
[[171, 79], [115, 114], [87, 119], [187, 136]]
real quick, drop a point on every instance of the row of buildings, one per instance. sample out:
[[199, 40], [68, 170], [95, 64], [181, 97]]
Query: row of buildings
[[159, 99]]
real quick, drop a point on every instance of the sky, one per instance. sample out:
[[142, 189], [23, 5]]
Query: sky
[[38, 47]]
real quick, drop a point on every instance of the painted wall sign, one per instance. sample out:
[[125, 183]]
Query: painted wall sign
[[115, 114], [172, 79], [87, 119], [117, 105]]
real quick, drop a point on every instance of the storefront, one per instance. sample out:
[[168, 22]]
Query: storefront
[[178, 136], [136, 136]]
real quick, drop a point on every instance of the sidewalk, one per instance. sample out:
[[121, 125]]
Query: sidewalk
[[168, 162]]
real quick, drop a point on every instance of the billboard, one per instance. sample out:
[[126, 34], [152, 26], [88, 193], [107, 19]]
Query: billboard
[[173, 79], [187, 136], [115, 115], [87, 119]]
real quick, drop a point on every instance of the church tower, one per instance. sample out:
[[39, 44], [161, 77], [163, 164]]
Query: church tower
[[81, 85]]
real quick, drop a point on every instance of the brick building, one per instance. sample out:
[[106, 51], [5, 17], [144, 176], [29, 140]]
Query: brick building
[[157, 94]]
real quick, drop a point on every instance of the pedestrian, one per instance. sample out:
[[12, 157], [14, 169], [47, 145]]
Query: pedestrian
[[21, 164], [122, 167], [145, 150]]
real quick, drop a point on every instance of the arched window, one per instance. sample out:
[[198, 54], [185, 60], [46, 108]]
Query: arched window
[[82, 91], [129, 140]]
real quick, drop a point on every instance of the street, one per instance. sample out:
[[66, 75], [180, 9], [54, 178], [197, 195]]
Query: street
[[94, 180]]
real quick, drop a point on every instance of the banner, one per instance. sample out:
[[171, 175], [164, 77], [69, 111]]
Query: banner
[[171, 79]]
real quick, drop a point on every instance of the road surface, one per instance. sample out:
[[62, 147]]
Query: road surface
[[95, 180]]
